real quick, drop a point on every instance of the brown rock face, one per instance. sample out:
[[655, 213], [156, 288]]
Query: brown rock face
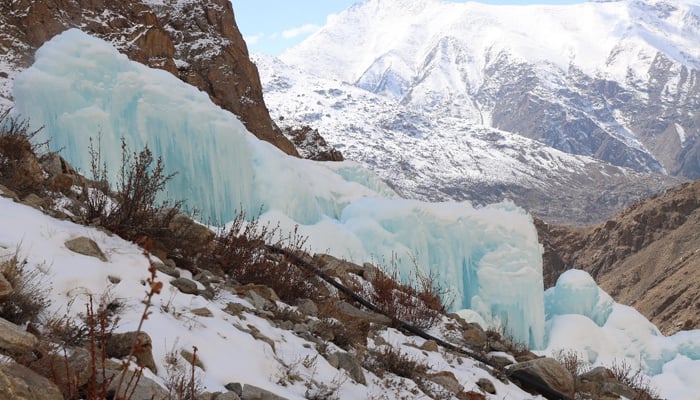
[[197, 41], [646, 257]]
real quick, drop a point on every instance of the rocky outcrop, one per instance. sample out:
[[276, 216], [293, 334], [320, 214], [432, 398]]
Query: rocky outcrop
[[312, 145], [197, 41], [645, 257]]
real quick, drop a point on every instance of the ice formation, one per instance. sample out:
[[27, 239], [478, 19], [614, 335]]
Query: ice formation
[[81, 87], [577, 293]]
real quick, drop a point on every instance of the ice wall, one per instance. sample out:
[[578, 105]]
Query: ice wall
[[81, 87]]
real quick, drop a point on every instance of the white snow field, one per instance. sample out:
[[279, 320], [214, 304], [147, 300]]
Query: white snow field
[[80, 87]]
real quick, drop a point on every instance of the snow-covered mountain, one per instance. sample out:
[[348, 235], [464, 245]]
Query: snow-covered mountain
[[616, 81]]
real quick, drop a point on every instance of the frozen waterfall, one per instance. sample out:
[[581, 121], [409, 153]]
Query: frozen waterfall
[[81, 87]]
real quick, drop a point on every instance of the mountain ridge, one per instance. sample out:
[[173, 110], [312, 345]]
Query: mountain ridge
[[619, 66]]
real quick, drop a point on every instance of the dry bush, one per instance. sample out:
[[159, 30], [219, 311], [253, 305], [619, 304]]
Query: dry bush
[[389, 359], [133, 212], [635, 379], [419, 302], [19, 166], [572, 360], [29, 297], [240, 252]]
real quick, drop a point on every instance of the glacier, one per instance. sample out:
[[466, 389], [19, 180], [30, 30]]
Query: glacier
[[81, 87]]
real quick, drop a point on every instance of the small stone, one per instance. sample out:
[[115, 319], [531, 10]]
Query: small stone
[[235, 309], [202, 312], [486, 385], [113, 279], [430, 345], [86, 246], [185, 285]]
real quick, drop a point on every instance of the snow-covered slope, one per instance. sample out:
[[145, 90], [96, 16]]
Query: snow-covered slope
[[248, 348], [617, 81], [439, 154]]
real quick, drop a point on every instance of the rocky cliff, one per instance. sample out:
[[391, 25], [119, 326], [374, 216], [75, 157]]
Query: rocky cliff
[[646, 257], [197, 41]]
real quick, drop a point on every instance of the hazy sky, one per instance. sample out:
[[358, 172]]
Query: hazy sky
[[270, 26]]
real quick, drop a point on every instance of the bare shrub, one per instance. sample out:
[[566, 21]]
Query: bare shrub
[[420, 301], [240, 252], [389, 359], [137, 212], [572, 360], [181, 383], [635, 379], [344, 330], [29, 297]]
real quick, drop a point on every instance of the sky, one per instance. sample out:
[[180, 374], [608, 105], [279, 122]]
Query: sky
[[271, 26]]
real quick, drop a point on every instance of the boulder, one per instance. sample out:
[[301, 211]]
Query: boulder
[[85, 246], [14, 339], [430, 345], [545, 376], [470, 396], [34, 201], [168, 268], [234, 387], [349, 363], [307, 307], [251, 392], [6, 192], [20, 383], [474, 335], [144, 387], [118, 345], [601, 383], [447, 380], [218, 396], [486, 385], [185, 285]]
